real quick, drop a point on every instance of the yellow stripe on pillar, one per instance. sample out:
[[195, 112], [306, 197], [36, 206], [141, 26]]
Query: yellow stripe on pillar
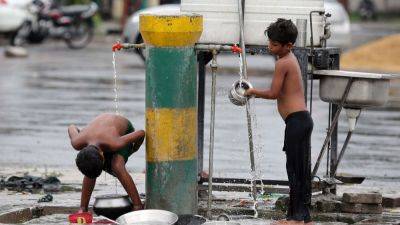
[[171, 31], [171, 134]]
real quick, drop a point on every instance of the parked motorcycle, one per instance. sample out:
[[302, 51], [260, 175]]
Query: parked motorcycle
[[74, 24]]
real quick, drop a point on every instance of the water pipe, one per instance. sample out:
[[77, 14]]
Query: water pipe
[[327, 30], [211, 47], [241, 6], [214, 67], [329, 144], [205, 47], [118, 46]]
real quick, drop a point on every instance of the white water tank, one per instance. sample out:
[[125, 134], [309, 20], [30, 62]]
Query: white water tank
[[221, 18]]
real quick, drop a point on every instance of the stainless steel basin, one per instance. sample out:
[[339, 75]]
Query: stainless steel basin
[[367, 90], [148, 217]]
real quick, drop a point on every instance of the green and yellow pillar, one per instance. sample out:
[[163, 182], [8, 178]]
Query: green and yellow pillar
[[171, 111]]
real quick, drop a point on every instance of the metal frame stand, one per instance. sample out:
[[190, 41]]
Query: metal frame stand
[[332, 128]]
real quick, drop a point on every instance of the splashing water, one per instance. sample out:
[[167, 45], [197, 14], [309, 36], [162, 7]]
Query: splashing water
[[257, 150], [240, 67], [115, 85], [257, 139], [255, 206], [252, 126], [257, 146], [240, 70]]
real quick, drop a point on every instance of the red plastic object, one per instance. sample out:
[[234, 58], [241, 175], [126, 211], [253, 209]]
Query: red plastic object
[[236, 49], [116, 47], [81, 218]]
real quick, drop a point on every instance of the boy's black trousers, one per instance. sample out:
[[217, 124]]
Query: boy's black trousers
[[297, 146]]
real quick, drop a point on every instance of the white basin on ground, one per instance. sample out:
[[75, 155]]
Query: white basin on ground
[[367, 90]]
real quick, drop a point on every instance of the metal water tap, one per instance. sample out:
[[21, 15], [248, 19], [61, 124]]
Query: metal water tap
[[118, 46], [327, 30], [214, 64], [236, 49]]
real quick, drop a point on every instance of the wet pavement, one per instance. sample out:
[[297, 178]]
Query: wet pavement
[[55, 86]]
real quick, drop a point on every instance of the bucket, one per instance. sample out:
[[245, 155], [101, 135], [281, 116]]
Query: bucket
[[112, 206], [236, 94]]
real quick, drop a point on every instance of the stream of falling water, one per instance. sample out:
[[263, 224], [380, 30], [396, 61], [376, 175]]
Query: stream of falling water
[[252, 126], [115, 84], [116, 105], [258, 156], [240, 68]]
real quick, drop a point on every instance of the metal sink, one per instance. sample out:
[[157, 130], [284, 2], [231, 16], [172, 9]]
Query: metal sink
[[367, 89]]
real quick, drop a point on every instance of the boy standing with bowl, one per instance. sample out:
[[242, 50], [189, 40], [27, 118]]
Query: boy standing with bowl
[[287, 89]]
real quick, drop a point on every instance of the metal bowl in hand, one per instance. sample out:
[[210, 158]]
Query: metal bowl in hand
[[236, 94], [112, 206], [148, 217]]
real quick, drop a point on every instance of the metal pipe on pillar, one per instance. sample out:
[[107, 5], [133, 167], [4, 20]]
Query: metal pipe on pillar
[[171, 111], [301, 53]]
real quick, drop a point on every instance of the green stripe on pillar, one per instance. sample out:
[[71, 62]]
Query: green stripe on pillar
[[172, 186], [171, 77]]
